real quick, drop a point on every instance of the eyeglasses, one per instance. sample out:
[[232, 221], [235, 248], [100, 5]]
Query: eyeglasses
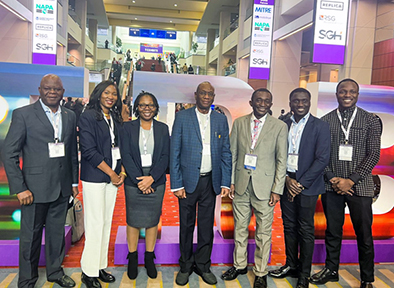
[[345, 92], [143, 106], [203, 93]]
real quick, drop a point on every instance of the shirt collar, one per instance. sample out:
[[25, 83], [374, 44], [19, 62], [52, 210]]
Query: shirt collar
[[348, 111], [303, 119], [202, 114], [47, 109], [261, 119]]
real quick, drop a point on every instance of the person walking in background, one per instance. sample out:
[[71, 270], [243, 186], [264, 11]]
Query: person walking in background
[[200, 169], [308, 156], [101, 175], [145, 154], [355, 150], [184, 69], [190, 70], [259, 149], [45, 135]]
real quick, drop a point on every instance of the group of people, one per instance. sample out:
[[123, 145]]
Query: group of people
[[263, 161]]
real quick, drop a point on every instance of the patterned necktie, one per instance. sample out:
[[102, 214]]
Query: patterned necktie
[[255, 130]]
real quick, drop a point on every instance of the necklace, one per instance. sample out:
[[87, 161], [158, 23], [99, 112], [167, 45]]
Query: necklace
[[106, 115]]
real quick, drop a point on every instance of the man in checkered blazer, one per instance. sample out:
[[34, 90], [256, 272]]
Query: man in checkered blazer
[[355, 150]]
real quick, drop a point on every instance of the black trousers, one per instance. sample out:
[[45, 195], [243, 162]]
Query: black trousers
[[299, 231], [204, 198], [360, 209], [33, 219]]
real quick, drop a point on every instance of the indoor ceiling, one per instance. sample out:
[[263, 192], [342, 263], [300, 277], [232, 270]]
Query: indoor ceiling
[[179, 15]]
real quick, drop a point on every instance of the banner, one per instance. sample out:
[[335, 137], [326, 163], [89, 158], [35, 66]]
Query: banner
[[44, 32], [330, 31], [151, 48], [152, 33], [261, 39]]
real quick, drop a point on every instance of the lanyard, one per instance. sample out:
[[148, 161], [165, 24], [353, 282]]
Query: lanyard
[[56, 124], [295, 137], [144, 138], [202, 130], [111, 129], [347, 132]]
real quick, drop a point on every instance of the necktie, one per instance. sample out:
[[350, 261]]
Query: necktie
[[255, 131]]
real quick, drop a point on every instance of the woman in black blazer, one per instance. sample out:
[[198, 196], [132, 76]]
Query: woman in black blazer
[[145, 156], [101, 175]]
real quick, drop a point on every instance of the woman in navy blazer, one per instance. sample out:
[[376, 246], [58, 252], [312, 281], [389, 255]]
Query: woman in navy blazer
[[101, 174], [145, 156]]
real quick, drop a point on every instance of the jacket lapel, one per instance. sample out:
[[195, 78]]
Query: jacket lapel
[[266, 127], [306, 132], [195, 123], [43, 117], [65, 121]]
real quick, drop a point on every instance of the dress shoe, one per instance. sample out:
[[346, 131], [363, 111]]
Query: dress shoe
[[64, 281], [260, 282], [182, 278], [303, 282], [90, 282], [366, 284], [233, 273], [207, 277], [105, 276], [150, 264], [132, 265], [324, 276], [284, 271]]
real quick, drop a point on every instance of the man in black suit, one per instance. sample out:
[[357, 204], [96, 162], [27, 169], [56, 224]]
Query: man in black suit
[[45, 134], [308, 155]]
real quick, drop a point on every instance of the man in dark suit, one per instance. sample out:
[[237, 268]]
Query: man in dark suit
[[308, 155], [200, 169], [355, 150], [45, 134]]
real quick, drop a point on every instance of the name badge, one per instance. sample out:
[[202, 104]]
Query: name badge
[[250, 161], [206, 149], [345, 152], [115, 153], [56, 150], [146, 160], [292, 161]]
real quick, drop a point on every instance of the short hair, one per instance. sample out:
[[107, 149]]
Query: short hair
[[203, 83], [261, 90], [300, 90], [348, 80], [138, 99], [69, 98]]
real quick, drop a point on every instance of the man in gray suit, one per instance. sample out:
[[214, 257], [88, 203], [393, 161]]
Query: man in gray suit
[[45, 135], [259, 149]]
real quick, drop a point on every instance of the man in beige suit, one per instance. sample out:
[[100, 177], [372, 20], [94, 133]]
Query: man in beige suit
[[259, 150]]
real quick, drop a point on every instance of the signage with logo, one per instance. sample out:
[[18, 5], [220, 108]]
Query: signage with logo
[[261, 39], [44, 32], [152, 33], [330, 31], [151, 48]]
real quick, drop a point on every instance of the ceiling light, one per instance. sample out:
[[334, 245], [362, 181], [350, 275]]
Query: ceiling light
[[246, 56], [170, 21], [12, 11], [133, 1], [135, 18], [175, 5], [296, 31]]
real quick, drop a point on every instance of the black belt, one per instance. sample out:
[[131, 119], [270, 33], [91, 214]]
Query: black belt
[[292, 175], [205, 174]]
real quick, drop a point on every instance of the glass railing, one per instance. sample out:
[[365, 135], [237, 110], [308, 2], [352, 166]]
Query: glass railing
[[214, 44], [72, 60], [249, 12], [74, 16], [229, 70], [198, 52], [98, 66], [230, 29], [197, 70]]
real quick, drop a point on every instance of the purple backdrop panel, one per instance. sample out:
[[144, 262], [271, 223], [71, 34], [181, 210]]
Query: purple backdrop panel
[[46, 59], [259, 73], [264, 2], [328, 54], [9, 249]]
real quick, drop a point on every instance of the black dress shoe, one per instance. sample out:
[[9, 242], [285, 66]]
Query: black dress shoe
[[303, 282], [64, 281], [182, 278], [324, 276], [207, 277], [233, 273], [105, 276], [284, 271], [90, 282], [260, 282], [366, 284]]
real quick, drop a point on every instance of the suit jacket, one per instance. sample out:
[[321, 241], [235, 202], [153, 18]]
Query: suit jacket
[[186, 151], [313, 155], [131, 154], [95, 145], [29, 133], [271, 151]]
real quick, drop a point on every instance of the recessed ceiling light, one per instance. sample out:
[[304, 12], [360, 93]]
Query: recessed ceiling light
[[135, 18], [170, 21], [175, 5], [133, 1]]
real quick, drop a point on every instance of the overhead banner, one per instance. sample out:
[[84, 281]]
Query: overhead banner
[[152, 33], [330, 31], [261, 39], [44, 32], [151, 48]]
